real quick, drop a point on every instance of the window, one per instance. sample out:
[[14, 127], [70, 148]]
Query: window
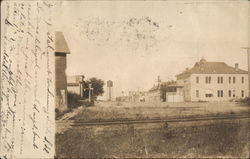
[[220, 79], [220, 93], [229, 80], [234, 80], [242, 94], [197, 93], [208, 79], [229, 93], [208, 95], [197, 79], [242, 79], [233, 93]]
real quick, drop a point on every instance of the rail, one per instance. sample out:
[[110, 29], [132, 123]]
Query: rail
[[148, 121]]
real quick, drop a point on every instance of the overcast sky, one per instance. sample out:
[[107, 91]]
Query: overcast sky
[[132, 43]]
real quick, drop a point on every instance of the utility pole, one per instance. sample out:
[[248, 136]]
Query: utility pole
[[81, 83], [248, 63], [90, 89]]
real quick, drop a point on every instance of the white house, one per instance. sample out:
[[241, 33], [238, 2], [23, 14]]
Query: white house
[[76, 84], [213, 81], [174, 92]]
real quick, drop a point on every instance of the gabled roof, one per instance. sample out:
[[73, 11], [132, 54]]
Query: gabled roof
[[204, 67], [61, 45]]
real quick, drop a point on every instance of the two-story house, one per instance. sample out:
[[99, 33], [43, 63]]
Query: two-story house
[[213, 81]]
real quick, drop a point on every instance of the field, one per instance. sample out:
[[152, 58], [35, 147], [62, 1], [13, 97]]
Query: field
[[227, 138], [140, 110]]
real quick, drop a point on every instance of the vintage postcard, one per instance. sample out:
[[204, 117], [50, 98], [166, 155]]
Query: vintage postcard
[[125, 79]]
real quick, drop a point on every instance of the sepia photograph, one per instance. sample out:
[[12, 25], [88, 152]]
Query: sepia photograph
[[125, 79]]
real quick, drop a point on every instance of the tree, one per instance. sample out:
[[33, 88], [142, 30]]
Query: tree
[[97, 85]]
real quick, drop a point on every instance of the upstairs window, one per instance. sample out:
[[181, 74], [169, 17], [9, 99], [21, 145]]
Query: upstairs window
[[197, 79], [219, 79], [208, 79], [234, 79], [242, 79], [229, 79]]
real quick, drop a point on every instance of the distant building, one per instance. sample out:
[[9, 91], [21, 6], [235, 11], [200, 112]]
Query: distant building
[[61, 51], [137, 96], [213, 81], [165, 92], [174, 92], [134, 96], [157, 93], [76, 84]]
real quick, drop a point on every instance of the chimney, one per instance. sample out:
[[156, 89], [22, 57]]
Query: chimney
[[236, 66], [186, 68]]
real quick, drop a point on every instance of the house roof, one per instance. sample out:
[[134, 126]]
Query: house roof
[[164, 85], [61, 45], [155, 87], [204, 67]]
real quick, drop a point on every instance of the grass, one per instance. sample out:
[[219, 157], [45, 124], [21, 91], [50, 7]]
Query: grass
[[202, 139], [110, 110], [215, 139]]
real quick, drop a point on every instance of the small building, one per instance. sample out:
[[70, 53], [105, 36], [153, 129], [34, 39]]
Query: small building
[[158, 92], [168, 91], [76, 84], [213, 81], [61, 51], [174, 92]]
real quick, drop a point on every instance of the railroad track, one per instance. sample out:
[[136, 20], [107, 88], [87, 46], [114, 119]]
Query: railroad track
[[148, 121]]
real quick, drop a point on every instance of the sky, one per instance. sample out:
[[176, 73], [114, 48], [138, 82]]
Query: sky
[[132, 42]]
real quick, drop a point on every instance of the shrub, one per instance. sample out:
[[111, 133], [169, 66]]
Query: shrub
[[245, 101], [73, 100]]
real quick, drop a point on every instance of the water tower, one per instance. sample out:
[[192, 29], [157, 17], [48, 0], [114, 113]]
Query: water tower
[[110, 85]]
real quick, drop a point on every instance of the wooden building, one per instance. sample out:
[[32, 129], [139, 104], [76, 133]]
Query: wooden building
[[61, 51]]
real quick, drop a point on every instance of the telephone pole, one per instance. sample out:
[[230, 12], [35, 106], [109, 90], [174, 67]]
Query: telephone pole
[[248, 64]]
